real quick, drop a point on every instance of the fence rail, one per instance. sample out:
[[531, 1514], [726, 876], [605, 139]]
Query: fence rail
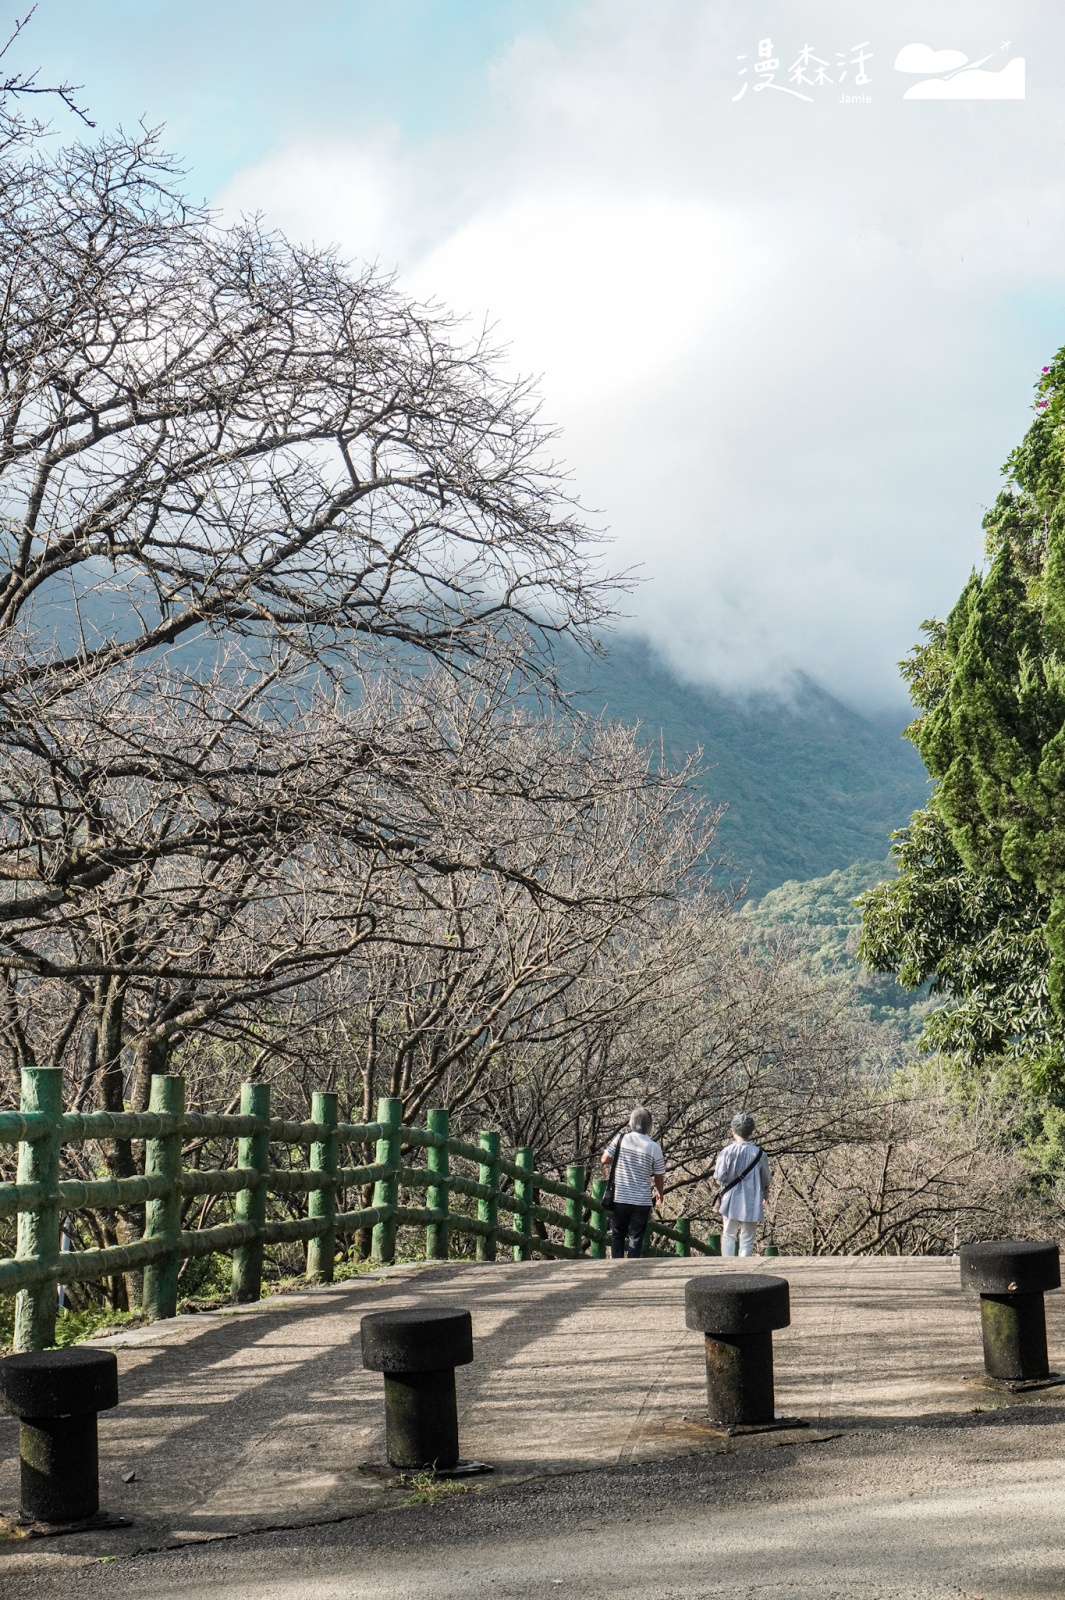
[[41, 1199]]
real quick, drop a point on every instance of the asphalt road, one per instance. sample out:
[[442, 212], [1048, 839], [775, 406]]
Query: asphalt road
[[971, 1510]]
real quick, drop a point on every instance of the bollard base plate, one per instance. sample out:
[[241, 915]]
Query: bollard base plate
[[390, 1474], [733, 1430], [980, 1380], [19, 1527]]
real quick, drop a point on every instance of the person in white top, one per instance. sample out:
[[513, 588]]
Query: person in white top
[[742, 1176], [639, 1183]]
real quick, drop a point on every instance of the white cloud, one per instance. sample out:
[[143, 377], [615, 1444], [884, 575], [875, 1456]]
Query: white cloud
[[1009, 237], [595, 294], [789, 345], [922, 58], [325, 196]]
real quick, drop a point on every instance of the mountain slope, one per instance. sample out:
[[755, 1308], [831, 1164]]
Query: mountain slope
[[811, 785]]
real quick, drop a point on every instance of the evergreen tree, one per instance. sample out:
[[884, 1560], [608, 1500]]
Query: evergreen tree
[[978, 907], [977, 940]]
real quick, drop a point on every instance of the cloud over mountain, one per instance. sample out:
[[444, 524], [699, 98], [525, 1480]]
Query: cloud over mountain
[[789, 344]]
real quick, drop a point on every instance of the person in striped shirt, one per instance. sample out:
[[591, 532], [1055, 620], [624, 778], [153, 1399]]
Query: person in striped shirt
[[639, 1183]]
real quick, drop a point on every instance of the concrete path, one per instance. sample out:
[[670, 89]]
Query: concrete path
[[951, 1514], [258, 1418]]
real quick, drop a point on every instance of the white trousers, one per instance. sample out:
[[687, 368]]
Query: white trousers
[[736, 1233]]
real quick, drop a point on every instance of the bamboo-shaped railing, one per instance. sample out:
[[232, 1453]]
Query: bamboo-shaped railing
[[41, 1199]]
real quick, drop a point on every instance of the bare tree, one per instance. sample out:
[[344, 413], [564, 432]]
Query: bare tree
[[443, 860], [18, 88], [912, 1172], [245, 436], [498, 963], [705, 1022], [213, 445], [211, 437]]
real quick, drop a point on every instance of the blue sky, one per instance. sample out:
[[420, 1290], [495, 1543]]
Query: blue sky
[[789, 337], [233, 79]]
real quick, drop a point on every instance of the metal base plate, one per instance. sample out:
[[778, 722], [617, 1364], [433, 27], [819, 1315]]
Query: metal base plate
[[20, 1528], [390, 1474], [981, 1380], [733, 1430]]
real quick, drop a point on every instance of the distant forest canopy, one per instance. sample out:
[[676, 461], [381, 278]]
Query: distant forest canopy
[[811, 786], [821, 913]]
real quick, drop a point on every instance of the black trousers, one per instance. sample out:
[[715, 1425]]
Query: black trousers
[[628, 1223]]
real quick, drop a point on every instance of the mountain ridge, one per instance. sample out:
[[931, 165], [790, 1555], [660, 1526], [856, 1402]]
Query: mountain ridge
[[811, 785]]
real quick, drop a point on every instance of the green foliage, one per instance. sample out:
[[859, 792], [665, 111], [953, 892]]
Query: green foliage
[[205, 1278], [977, 909], [71, 1326], [990, 690], [824, 906], [976, 940], [824, 914]]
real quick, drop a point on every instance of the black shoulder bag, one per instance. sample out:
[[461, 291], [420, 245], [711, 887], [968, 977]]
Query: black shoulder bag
[[607, 1202]]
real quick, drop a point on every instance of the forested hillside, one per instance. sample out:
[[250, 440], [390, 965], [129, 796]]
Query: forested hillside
[[822, 913], [811, 786]]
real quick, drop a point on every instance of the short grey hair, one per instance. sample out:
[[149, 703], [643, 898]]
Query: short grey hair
[[743, 1124], [640, 1121]]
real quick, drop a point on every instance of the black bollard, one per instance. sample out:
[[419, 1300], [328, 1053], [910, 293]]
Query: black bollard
[[418, 1352], [1011, 1277], [56, 1394], [738, 1311]]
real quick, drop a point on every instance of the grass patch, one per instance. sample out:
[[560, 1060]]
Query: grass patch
[[429, 1490], [71, 1327]]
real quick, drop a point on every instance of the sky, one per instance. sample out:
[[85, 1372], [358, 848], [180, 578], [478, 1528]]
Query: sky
[[787, 319]]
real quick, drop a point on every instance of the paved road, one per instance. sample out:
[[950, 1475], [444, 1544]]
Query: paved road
[[922, 1513], [910, 1482]]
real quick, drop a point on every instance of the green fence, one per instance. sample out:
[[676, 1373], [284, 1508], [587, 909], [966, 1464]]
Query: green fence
[[40, 1199]]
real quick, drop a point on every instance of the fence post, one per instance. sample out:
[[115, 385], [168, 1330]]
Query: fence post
[[386, 1189], [599, 1219], [38, 1231], [683, 1243], [525, 1161], [254, 1152], [571, 1238], [323, 1202], [438, 1193], [162, 1217], [488, 1210], [713, 1243]]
